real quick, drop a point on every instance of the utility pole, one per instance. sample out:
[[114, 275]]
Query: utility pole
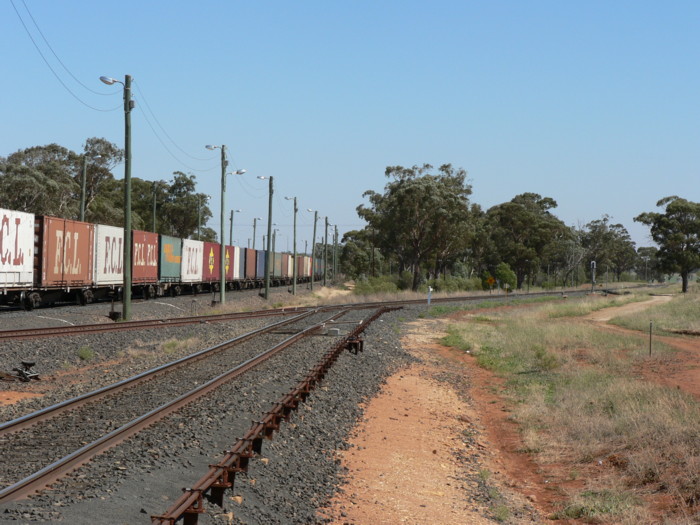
[[313, 250], [325, 255]]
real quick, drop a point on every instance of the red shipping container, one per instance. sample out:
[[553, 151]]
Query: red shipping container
[[66, 252], [144, 256], [250, 263], [211, 262], [285, 265], [229, 258]]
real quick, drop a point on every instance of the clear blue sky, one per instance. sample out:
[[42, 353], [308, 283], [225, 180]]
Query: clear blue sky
[[595, 104]]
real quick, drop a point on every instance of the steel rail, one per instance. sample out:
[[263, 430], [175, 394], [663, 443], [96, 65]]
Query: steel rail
[[28, 420], [220, 476], [56, 470], [179, 321], [30, 333]]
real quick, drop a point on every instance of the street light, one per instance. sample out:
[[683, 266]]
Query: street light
[[128, 106], [255, 223], [269, 234], [294, 261], [313, 248], [230, 231], [222, 260]]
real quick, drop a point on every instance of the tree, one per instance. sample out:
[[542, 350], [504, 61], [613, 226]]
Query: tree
[[677, 232], [183, 210], [522, 231], [609, 245], [40, 180], [421, 218]]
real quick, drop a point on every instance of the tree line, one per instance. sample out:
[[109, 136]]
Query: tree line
[[47, 180], [425, 224]]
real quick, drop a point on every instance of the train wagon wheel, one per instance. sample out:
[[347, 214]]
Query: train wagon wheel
[[31, 300], [86, 297]]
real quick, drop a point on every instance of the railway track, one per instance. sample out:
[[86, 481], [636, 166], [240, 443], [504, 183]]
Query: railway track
[[85, 329], [66, 435]]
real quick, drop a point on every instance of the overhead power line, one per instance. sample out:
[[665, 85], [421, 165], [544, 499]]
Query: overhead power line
[[76, 97]]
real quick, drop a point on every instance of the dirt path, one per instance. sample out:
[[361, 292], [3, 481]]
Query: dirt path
[[422, 454], [404, 460]]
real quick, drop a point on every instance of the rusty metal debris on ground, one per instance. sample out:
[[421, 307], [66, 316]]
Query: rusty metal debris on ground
[[221, 475]]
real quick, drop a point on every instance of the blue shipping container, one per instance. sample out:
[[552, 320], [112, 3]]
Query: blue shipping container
[[260, 264]]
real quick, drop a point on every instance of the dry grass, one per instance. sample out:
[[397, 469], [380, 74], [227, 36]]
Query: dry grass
[[578, 401], [679, 314], [179, 346]]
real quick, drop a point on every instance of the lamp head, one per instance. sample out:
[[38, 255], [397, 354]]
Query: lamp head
[[108, 80], [210, 147]]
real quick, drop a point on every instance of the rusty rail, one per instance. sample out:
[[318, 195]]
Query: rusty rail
[[32, 333], [33, 418], [41, 479], [221, 476]]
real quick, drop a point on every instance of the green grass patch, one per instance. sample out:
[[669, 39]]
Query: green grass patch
[[85, 353]]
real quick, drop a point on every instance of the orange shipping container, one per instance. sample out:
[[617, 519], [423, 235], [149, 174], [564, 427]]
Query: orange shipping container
[[144, 255], [66, 252]]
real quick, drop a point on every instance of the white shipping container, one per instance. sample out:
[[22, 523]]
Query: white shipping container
[[16, 248], [290, 266], [237, 268], [191, 262], [109, 255]]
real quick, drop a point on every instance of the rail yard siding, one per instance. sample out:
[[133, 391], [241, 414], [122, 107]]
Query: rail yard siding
[[16, 248], [109, 255], [144, 257], [192, 259], [66, 252], [170, 259], [211, 262]]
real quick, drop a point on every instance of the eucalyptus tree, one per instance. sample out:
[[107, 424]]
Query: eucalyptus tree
[[609, 245], [522, 231], [677, 233], [421, 218]]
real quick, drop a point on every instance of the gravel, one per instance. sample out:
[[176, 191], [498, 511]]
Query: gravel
[[296, 473]]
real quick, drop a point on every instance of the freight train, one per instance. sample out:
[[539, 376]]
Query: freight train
[[48, 259]]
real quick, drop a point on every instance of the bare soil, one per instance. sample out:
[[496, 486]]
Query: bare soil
[[408, 451]]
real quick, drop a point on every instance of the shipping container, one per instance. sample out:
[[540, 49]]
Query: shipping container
[[191, 264], [144, 257], [284, 265], [250, 263], [211, 262], [109, 255], [238, 265], [170, 260], [16, 249], [277, 265], [66, 253], [260, 260]]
